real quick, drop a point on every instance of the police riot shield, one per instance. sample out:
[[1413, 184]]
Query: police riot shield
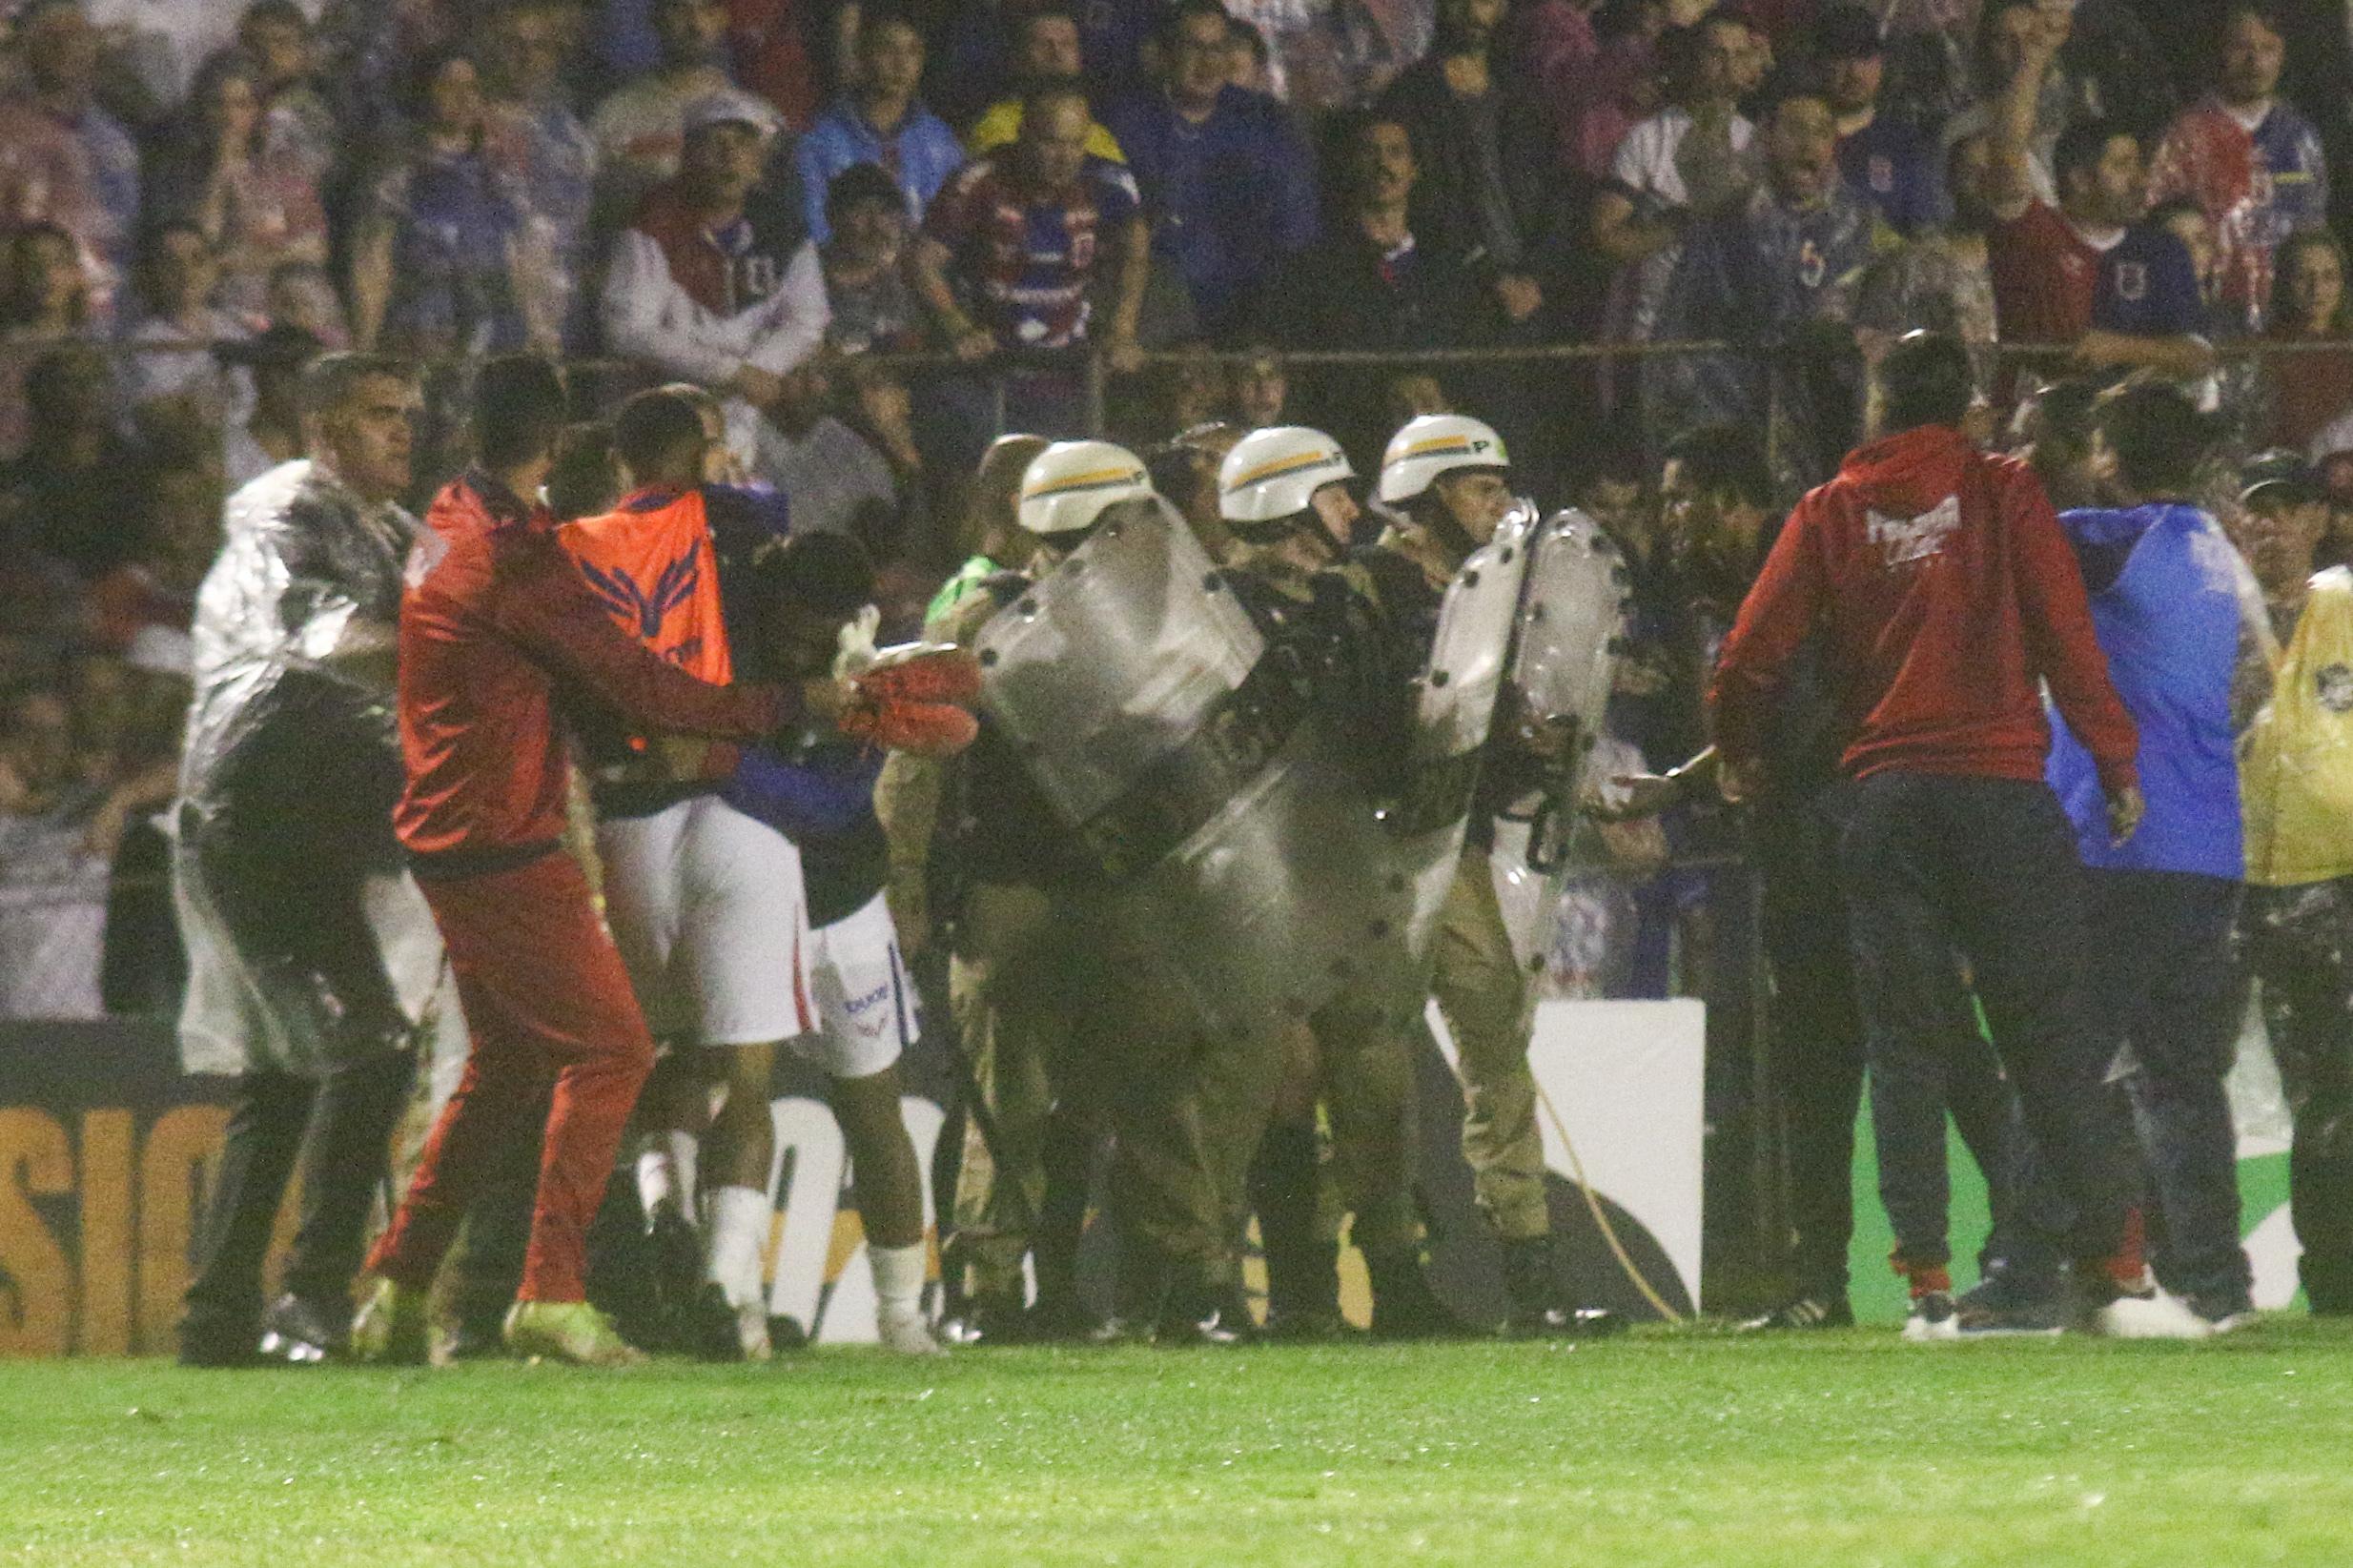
[[1456, 711], [1229, 813], [1564, 657]]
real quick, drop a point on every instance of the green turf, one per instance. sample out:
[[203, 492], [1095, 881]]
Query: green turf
[[1686, 1449]]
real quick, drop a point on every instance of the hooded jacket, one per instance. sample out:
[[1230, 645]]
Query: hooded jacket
[[1945, 594]]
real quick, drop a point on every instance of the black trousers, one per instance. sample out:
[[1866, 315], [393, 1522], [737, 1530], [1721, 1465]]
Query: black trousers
[[1818, 1053], [1935, 865], [286, 877], [2300, 945], [338, 1132], [2161, 982]]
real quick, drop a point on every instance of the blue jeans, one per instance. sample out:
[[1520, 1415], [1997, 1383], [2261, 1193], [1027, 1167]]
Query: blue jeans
[[1937, 865]]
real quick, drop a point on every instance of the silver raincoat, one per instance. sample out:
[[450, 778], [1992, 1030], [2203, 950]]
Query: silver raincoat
[[307, 940]]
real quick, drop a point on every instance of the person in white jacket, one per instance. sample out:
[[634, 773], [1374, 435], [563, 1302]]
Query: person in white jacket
[[712, 285]]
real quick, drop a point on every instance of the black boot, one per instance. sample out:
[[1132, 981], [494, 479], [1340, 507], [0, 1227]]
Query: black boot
[[1197, 1312], [1537, 1306], [1404, 1307], [1302, 1263]]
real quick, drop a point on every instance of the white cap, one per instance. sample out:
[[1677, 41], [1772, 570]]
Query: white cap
[[731, 106], [1273, 472], [1067, 486], [1435, 445]]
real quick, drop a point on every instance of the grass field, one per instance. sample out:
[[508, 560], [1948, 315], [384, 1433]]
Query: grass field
[[1683, 1449]]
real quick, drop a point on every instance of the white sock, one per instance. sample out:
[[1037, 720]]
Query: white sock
[[684, 1147], [657, 1183], [898, 1279], [739, 1227]]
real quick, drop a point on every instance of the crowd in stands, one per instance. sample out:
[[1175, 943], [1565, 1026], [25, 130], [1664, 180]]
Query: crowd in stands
[[759, 195]]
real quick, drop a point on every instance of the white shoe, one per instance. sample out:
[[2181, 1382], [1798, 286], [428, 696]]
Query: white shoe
[[751, 1332], [905, 1334], [1933, 1317], [2153, 1316]]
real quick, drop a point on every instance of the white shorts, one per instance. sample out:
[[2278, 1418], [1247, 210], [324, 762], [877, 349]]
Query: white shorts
[[709, 911], [866, 1007]]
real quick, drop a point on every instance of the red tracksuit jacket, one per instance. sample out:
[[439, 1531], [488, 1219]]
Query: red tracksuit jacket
[[1944, 592], [496, 625]]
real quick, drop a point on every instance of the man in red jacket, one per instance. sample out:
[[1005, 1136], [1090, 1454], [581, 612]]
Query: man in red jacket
[[1945, 596], [495, 623]]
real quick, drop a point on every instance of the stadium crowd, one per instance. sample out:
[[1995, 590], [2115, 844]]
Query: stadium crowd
[[731, 216]]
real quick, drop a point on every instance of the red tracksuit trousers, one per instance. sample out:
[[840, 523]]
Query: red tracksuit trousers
[[546, 999]]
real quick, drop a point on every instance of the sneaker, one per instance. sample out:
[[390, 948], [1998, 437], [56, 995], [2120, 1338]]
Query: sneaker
[[390, 1327], [785, 1333], [568, 1330], [905, 1333], [2001, 1307], [2224, 1315], [304, 1333], [1933, 1316], [1807, 1312]]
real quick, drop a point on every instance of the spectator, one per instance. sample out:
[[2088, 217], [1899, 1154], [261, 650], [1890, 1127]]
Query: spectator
[[2308, 392], [1323, 55], [178, 329], [639, 129], [1553, 48], [836, 480], [2005, 30], [2188, 222], [2088, 273], [297, 127], [869, 304], [446, 258], [2052, 429], [1229, 186], [711, 284], [1692, 157], [770, 55], [1010, 250], [1626, 86], [258, 209], [62, 159], [1369, 284], [1046, 52], [1940, 281], [72, 494], [1249, 60], [1489, 196], [272, 434], [527, 50], [1262, 392], [880, 121], [44, 302], [2249, 159], [148, 602], [303, 296], [52, 888], [1777, 273], [1885, 159]]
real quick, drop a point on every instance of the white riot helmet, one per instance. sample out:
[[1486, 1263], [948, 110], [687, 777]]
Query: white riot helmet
[[1067, 486], [1435, 445], [1274, 474]]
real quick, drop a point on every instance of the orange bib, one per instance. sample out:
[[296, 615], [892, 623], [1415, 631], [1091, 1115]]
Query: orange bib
[[652, 563]]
